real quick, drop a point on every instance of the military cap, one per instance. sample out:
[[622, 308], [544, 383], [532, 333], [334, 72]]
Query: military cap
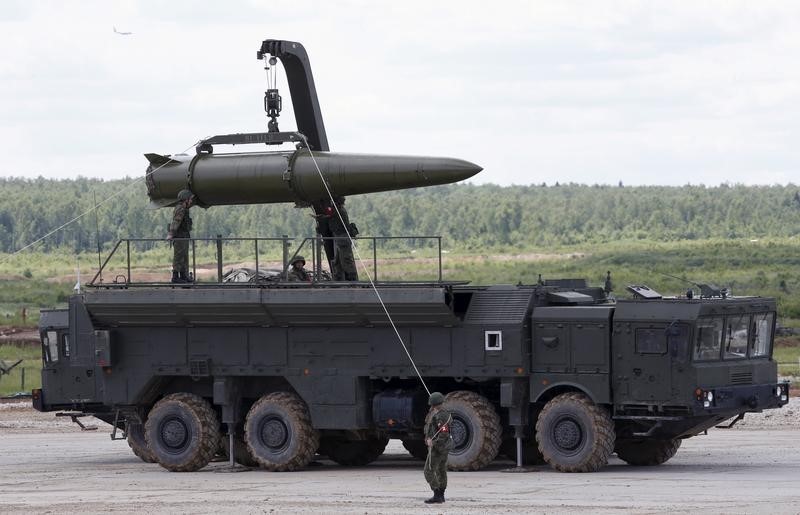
[[435, 399], [298, 258]]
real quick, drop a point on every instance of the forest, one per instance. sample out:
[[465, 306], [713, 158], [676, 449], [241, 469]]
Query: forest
[[741, 237], [475, 217]]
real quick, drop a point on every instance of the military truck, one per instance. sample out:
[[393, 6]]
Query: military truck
[[290, 370], [553, 372]]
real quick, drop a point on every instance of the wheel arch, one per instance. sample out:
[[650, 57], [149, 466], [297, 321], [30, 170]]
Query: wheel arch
[[556, 389]]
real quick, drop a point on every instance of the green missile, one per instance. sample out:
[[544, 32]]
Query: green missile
[[271, 177]]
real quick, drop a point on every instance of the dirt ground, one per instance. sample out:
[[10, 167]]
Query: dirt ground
[[48, 465]]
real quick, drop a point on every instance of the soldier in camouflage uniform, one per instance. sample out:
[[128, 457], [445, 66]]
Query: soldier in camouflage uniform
[[296, 270], [439, 442], [180, 228], [344, 265]]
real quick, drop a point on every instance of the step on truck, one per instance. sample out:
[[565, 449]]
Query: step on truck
[[279, 372]]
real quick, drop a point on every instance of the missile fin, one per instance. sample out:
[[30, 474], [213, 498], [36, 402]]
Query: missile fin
[[159, 160]]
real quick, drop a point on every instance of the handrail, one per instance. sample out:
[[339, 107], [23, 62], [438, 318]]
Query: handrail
[[317, 258]]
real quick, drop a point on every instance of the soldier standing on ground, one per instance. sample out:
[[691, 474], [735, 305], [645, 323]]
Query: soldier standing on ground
[[439, 442], [296, 270], [179, 232]]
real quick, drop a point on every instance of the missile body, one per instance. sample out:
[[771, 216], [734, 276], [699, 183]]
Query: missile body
[[271, 177]]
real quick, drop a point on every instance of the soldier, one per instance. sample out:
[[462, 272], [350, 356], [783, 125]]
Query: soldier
[[180, 228], [344, 265], [439, 442], [296, 270]]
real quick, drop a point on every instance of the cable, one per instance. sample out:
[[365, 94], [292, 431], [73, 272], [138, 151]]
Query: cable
[[88, 211], [364, 267]]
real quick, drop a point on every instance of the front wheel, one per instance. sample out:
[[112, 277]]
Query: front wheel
[[646, 452], [138, 443], [279, 433], [574, 434], [416, 448], [182, 432]]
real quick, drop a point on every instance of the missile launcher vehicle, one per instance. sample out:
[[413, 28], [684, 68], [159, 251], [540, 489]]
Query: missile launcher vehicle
[[276, 372]]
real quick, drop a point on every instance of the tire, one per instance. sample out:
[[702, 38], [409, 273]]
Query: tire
[[475, 430], [279, 434], [574, 434], [530, 451], [138, 443], [182, 432], [416, 448], [646, 452], [355, 453]]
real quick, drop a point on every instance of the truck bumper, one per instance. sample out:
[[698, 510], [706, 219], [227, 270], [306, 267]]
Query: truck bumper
[[740, 399]]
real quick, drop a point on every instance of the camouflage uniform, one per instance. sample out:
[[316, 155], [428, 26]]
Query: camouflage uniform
[[180, 227], [298, 274], [344, 264], [437, 430]]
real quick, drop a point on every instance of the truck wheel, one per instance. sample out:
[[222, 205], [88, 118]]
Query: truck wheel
[[279, 433], [182, 431], [356, 453], [530, 451], [574, 434], [475, 430], [416, 448], [646, 452], [138, 444]]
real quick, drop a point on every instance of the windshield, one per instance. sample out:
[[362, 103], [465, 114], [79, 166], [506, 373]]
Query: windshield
[[762, 326], [736, 337]]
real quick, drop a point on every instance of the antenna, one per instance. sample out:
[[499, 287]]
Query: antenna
[[97, 235]]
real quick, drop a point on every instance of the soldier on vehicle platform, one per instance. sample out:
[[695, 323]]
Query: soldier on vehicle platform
[[297, 272], [342, 229], [179, 233], [439, 442]]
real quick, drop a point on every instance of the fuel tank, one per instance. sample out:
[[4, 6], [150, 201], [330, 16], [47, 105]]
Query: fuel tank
[[272, 177]]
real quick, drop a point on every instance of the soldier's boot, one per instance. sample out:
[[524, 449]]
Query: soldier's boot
[[185, 277], [438, 497]]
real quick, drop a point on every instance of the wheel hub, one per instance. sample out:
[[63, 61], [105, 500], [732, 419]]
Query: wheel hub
[[174, 434], [567, 434], [274, 433], [461, 434]]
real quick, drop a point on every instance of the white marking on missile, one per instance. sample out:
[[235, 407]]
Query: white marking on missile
[[364, 267]]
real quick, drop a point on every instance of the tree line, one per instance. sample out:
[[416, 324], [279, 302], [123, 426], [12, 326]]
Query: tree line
[[467, 216]]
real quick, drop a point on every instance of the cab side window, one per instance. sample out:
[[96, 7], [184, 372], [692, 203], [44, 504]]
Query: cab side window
[[708, 340], [762, 329]]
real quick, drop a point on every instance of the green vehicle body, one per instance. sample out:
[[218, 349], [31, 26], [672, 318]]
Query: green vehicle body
[[574, 375]]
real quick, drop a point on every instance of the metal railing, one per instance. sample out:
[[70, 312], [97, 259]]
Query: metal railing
[[320, 271]]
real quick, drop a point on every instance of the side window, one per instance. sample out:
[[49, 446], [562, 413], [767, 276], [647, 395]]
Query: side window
[[709, 339], [51, 346], [762, 327], [493, 340], [737, 337], [651, 341], [66, 345]]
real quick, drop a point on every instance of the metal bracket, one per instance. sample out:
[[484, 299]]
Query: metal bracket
[[739, 417], [76, 416]]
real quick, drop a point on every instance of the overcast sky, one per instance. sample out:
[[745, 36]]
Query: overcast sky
[[588, 92]]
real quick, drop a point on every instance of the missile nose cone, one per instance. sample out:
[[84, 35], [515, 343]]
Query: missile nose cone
[[454, 170]]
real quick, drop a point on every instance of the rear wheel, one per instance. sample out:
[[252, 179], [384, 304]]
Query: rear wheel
[[182, 432], [355, 453], [279, 434], [574, 434], [416, 448], [138, 443], [646, 452], [475, 430]]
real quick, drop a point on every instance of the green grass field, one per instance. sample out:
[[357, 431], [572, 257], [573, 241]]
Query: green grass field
[[32, 364]]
